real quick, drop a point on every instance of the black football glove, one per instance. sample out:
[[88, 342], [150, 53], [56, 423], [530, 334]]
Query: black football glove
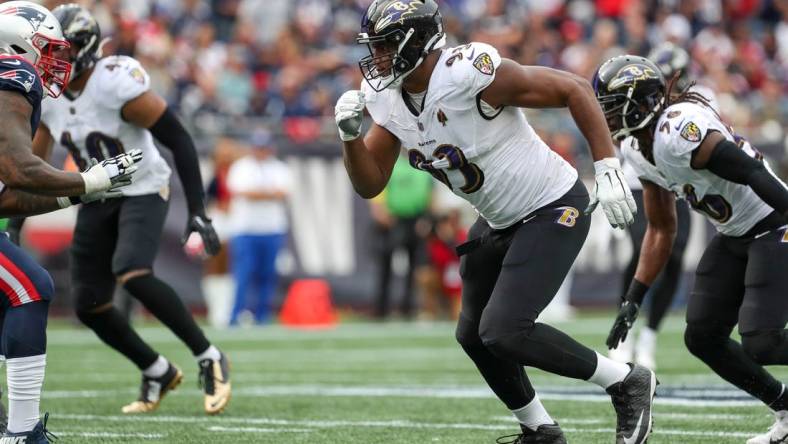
[[626, 317], [202, 225]]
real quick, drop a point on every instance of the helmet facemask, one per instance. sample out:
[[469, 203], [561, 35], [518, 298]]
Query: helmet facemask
[[625, 115], [55, 72]]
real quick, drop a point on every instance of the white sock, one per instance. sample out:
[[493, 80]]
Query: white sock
[[647, 337], [533, 414], [209, 353], [608, 372], [158, 368], [25, 378]]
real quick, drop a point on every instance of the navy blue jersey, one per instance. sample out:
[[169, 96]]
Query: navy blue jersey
[[17, 74]]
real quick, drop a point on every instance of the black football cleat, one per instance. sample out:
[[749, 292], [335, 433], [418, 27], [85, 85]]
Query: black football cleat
[[544, 434], [152, 391], [632, 399], [39, 435]]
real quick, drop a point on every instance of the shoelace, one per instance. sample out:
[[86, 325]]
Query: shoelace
[[205, 379], [49, 435], [513, 439]]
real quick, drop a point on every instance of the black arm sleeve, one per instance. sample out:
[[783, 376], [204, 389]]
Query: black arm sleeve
[[731, 163], [169, 131]]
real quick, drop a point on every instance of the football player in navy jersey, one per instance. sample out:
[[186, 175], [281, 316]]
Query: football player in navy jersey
[[29, 37]]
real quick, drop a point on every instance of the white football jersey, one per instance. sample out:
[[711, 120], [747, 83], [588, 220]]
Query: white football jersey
[[91, 126], [498, 163], [630, 144], [733, 209]]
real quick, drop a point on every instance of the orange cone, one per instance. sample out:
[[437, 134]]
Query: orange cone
[[308, 305]]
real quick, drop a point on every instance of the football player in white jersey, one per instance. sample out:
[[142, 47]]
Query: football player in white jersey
[[456, 114], [108, 108], [30, 69], [671, 60], [684, 149]]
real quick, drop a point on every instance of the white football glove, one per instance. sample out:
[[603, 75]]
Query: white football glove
[[111, 173], [612, 191], [348, 114]]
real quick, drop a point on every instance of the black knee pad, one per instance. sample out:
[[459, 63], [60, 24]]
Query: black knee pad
[[761, 346], [88, 298], [496, 325], [467, 333], [702, 339]]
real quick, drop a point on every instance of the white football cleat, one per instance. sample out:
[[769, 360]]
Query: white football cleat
[[646, 349], [778, 432]]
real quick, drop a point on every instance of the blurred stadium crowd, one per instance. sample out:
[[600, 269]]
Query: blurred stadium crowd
[[229, 64]]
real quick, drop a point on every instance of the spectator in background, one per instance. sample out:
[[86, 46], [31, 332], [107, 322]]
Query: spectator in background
[[397, 213], [258, 184]]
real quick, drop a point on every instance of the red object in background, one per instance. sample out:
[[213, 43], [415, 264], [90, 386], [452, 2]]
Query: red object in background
[[446, 262], [611, 8], [308, 305], [49, 241], [302, 129]]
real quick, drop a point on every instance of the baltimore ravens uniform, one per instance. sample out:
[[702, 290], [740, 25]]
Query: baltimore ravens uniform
[[115, 236], [751, 238], [529, 199], [495, 159], [90, 125]]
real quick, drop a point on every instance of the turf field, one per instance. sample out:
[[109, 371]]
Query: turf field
[[368, 383]]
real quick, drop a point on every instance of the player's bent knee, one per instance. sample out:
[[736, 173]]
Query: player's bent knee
[[762, 346], [131, 274], [702, 339], [467, 333], [89, 299]]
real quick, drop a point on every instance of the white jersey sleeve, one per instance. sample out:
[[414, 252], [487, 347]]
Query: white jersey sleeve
[[123, 79], [732, 208], [472, 78]]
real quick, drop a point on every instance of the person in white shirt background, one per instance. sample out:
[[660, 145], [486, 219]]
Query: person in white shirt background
[[259, 184]]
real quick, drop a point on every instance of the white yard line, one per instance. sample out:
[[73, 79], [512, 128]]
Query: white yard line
[[255, 430], [679, 397], [323, 424], [111, 435]]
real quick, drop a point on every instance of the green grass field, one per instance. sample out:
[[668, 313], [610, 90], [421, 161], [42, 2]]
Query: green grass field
[[368, 383]]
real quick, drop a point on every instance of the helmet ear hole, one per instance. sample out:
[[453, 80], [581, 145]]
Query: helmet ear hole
[[18, 49]]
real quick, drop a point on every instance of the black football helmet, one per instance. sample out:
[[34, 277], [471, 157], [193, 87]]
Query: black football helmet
[[631, 91], [82, 32], [399, 35], [672, 59]]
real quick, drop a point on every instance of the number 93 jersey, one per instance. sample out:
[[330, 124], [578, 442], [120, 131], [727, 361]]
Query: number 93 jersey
[[91, 125], [491, 157], [733, 208]]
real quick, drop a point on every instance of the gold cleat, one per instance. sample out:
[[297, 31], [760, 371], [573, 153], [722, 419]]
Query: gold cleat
[[153, 390], [215, 382]]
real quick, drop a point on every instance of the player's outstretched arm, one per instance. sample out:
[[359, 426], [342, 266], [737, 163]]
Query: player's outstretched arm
[[20, 169], [660, 210], [19, 203], [368, 160], [541, 87], [725, 159]]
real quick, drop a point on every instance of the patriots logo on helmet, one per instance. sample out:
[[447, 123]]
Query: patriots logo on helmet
[[631, 74], [32, 15], [396, 13], [20, 76]]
